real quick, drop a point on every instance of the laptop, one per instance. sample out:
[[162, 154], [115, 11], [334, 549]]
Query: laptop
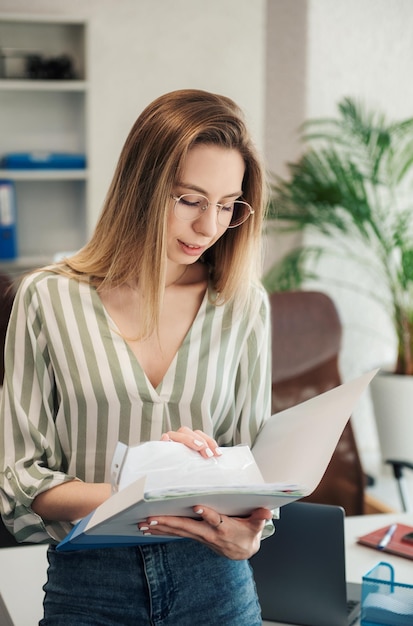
[[300, 571], [5, 619]]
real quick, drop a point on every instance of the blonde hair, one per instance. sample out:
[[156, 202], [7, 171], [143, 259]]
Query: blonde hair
[[129, 241]]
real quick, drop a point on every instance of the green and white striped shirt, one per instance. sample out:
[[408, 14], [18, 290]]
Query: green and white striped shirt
[[73, 389]]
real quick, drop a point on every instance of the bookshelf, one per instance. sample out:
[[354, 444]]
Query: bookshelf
[[41, 116]]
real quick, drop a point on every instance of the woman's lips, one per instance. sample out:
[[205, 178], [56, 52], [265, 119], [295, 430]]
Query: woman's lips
[[191, 249]]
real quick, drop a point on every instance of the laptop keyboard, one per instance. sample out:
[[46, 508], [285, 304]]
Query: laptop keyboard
[[351, 604], [353, 611]]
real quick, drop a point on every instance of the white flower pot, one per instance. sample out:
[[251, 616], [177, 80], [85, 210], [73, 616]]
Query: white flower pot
[[392, 398]]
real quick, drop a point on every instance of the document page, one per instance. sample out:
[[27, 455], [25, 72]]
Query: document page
[[296, 445]]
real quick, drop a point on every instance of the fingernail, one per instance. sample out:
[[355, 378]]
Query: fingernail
[[199, 511], [144, 528], [209, 452], [153, 522], [218, 451], [198, 443], [147, 534]]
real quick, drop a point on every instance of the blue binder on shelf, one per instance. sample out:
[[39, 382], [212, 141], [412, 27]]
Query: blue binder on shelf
[[8, 226], [43, 160]]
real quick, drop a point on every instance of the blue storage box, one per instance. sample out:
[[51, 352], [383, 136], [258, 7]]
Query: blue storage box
[[43, 161], [383, 601], [8, 228]]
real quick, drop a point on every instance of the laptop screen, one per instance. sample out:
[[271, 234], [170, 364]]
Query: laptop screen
[[300, 570]]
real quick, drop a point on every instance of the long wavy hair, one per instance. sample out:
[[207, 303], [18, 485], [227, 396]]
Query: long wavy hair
[[129, 241]]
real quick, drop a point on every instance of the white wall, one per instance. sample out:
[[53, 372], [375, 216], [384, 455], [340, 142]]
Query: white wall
[[362, 49], [331, 49], [140, 49]]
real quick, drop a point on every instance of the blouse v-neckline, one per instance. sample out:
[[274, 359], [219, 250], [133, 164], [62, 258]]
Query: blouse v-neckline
[[116, 334]]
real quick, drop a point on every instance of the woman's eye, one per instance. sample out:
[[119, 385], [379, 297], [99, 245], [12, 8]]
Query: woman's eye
[[228, 207], [186, 202]]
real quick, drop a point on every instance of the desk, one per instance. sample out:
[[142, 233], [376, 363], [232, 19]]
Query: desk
[[24, 568], [22, 575], [360, 559]]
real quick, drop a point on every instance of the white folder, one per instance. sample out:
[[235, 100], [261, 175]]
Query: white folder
[[291, 452]]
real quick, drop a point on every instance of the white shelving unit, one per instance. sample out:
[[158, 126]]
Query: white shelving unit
[[46, 116]]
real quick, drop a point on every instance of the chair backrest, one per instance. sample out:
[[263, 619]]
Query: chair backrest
[[306, 341], [6, 539], [6, 303]]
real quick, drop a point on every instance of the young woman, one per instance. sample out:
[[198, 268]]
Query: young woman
[[157, 329]]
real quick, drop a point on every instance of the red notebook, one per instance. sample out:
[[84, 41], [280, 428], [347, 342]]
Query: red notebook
[[395, 546]]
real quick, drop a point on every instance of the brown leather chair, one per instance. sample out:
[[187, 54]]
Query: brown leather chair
[[306, 341], [6, 303]]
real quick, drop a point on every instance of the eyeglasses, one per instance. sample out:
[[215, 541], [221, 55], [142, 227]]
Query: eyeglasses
[[190, 207]]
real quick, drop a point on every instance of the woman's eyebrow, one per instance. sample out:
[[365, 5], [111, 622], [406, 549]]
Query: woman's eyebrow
[[204, 192]]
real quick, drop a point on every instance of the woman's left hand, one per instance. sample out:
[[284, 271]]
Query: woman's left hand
[[234, 537]]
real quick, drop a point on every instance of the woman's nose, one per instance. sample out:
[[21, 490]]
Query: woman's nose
[[207, 222]]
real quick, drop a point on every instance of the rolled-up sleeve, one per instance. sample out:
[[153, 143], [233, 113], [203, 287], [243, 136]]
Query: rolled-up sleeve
[[30, 454]]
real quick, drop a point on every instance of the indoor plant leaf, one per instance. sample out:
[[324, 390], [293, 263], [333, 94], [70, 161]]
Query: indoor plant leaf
[[354, 183]]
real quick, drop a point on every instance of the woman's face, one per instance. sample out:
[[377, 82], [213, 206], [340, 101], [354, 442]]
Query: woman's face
[[216, 173]]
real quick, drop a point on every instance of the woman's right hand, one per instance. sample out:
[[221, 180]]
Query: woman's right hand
[[194, 439]]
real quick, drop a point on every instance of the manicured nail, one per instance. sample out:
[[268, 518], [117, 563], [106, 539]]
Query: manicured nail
[[153, 522], [144, 528], [209, 452], [147, 534], [199, 511], [198, 443], [218, 451]]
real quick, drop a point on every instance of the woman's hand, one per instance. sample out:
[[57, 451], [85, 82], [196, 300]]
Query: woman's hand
[[194, 439], [234, 537]]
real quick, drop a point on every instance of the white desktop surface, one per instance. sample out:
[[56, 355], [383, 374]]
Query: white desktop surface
[[361, 559], [23, 569]]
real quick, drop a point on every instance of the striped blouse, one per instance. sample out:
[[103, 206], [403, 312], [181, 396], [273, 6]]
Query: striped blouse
[[73, 389]]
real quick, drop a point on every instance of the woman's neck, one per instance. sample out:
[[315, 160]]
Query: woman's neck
[[173, 280]]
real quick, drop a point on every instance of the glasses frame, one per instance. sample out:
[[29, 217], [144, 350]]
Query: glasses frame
[[218, 205]]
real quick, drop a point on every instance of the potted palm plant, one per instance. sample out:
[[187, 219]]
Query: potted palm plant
[[353, 188]]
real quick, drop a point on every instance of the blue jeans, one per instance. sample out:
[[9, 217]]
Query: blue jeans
[[179, 583]]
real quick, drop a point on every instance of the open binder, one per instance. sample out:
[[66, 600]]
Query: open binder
[[291, 453]]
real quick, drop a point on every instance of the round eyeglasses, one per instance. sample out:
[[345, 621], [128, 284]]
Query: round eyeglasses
[[190, 206]]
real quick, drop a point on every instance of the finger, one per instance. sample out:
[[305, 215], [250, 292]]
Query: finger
[[176, 527], [261, 514], [212, 444], [196, 440], [257, 519], [212, 517]]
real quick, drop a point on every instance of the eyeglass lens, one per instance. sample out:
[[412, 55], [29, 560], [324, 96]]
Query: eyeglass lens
[[190, 206]]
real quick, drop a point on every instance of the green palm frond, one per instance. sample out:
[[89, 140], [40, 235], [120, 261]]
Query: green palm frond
[[354, 180], [293, 271], [323, 191]]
